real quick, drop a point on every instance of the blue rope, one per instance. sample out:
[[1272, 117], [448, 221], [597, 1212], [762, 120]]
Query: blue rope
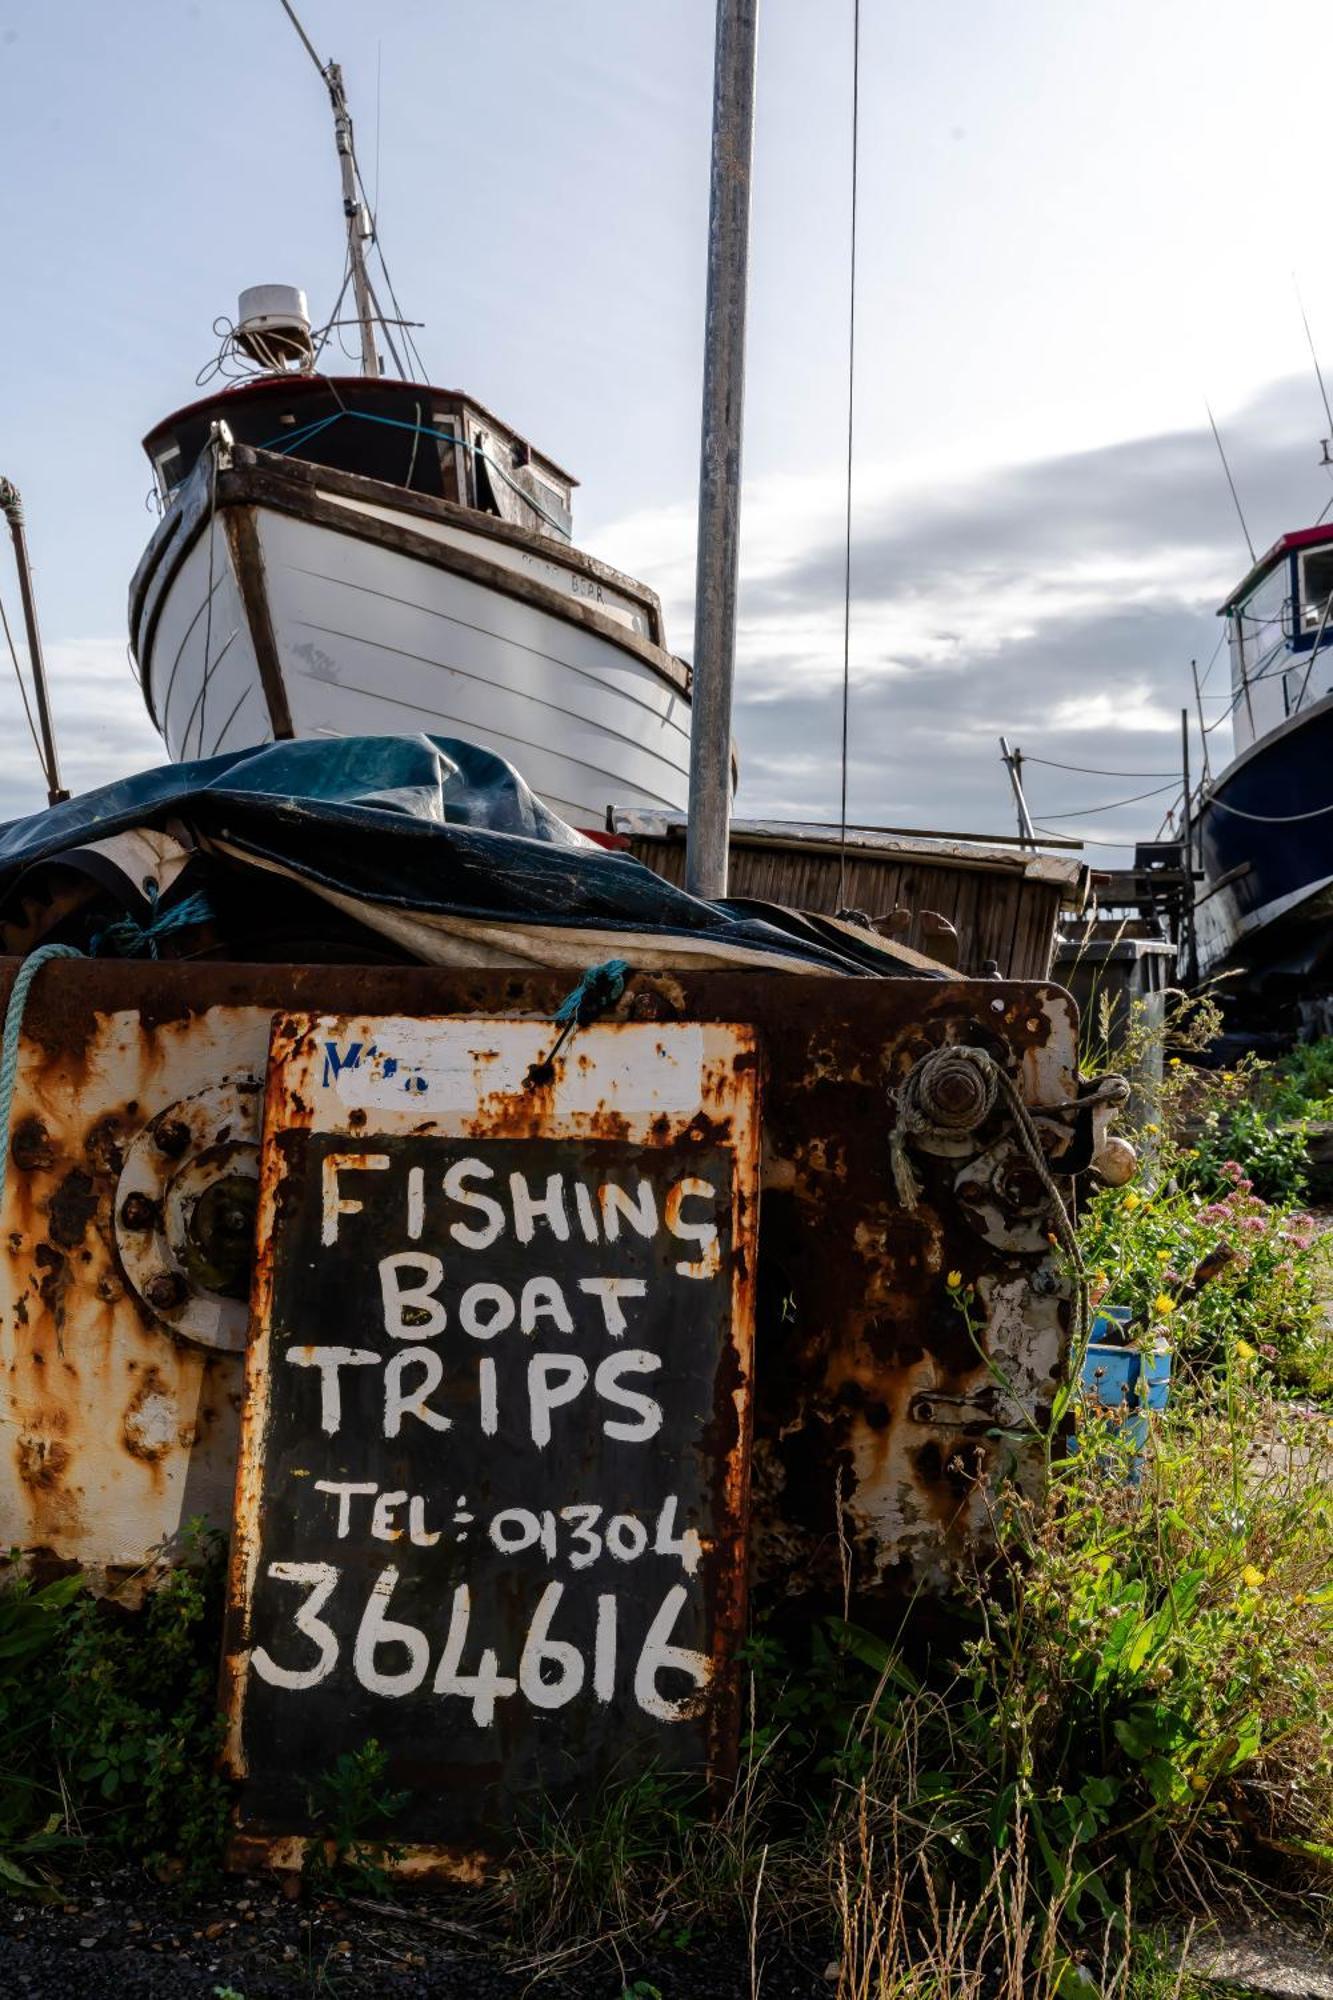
[[9, 1046], [127, 938], [600, 987], [291, 439], [598, 990]]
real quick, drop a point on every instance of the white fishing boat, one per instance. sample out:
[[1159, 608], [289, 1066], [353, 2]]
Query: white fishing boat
[[351, 555]]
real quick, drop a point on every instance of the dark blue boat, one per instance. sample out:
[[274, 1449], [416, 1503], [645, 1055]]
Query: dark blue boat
[[1265, 825]]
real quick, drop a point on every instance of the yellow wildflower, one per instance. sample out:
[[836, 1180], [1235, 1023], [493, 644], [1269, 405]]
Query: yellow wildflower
[[1198, 1783], [1252, 1577], [1164, 1304], [1174, 1063], [1164, 1256], [1152, 1128], [1132, 1200], [1244, 1352], [954, 1280]]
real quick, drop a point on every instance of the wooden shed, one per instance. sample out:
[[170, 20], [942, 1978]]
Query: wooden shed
[[978, 904]]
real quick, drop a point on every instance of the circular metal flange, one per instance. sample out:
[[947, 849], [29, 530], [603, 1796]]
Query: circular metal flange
[[185, 1211]]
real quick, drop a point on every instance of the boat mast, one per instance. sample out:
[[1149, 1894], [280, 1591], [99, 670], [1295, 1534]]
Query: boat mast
[[360, 228], [11, 506]]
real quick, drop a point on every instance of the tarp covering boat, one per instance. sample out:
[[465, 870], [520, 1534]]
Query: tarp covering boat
[[411, 847]]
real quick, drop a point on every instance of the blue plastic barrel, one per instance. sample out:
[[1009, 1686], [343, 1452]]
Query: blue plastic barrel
[[1126, 1380]]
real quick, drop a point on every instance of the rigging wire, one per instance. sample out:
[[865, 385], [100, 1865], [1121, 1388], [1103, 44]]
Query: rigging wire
[[851, 425], [18, 675], [1217, 439], [1094, 771], [1270, 819], [1318, 371], [1221, 641], [1112, 805]]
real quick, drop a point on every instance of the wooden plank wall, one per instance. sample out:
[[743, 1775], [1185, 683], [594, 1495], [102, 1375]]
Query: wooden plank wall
[[998, 915]]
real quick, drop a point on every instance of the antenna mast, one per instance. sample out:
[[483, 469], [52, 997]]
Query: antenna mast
[[360, 228]]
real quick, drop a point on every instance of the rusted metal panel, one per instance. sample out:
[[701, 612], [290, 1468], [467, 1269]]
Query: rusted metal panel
[[869, 1381], [493, 1475]]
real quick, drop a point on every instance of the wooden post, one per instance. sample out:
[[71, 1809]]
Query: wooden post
[[709, 825]]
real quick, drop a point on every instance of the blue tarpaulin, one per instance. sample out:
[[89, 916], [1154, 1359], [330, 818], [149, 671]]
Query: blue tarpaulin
[[421, 826]]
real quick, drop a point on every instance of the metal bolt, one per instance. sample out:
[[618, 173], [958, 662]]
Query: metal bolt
[[138, 1211], [165, 1291], [172, 1136], [31, 1148]]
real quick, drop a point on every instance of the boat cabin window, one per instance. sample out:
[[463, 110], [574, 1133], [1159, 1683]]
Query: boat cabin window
[[1259, 626], [1317, 593], [168, 470]]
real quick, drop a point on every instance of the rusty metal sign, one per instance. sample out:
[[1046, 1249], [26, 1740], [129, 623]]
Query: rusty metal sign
[[494, 1454]]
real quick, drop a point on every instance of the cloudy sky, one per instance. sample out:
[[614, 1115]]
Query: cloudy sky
[[1080, 218]]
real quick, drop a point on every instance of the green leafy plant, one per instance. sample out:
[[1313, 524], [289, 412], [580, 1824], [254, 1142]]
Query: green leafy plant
[[351, 1805], [112, 1747]]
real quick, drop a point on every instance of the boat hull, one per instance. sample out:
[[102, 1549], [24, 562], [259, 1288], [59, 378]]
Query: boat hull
[[1266, 843], [280, 599]]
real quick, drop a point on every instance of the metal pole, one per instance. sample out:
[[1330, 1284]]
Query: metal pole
[[1013, 764], [359, 228], [1187, 828], [12, 508], [1203, 727], [709, 825], [358, 222]]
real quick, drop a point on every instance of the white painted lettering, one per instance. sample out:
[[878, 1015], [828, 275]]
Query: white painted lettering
[[381, 1521], [703, 1233], [658, 1653], [553, 1379], [610, 1291], [630, 1361], [640, 1210], [345, 1490], [321, 1580], [333, 1202], [400, 1402], [489, 1396], [604, 1648], [587, 1214], [529, 1209], [485, 1310], [378, 1629], [329, 1360], [412, 1311], [456, 1187], [543, 1299]]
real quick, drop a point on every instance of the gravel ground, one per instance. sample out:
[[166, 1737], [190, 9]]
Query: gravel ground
[[122, 1938]]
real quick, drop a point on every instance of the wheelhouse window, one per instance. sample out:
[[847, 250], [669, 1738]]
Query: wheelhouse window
[[168, 469], [1316, 598], [1259, 627]]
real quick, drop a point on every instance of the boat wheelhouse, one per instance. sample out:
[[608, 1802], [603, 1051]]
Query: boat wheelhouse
[[1265, 824]]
